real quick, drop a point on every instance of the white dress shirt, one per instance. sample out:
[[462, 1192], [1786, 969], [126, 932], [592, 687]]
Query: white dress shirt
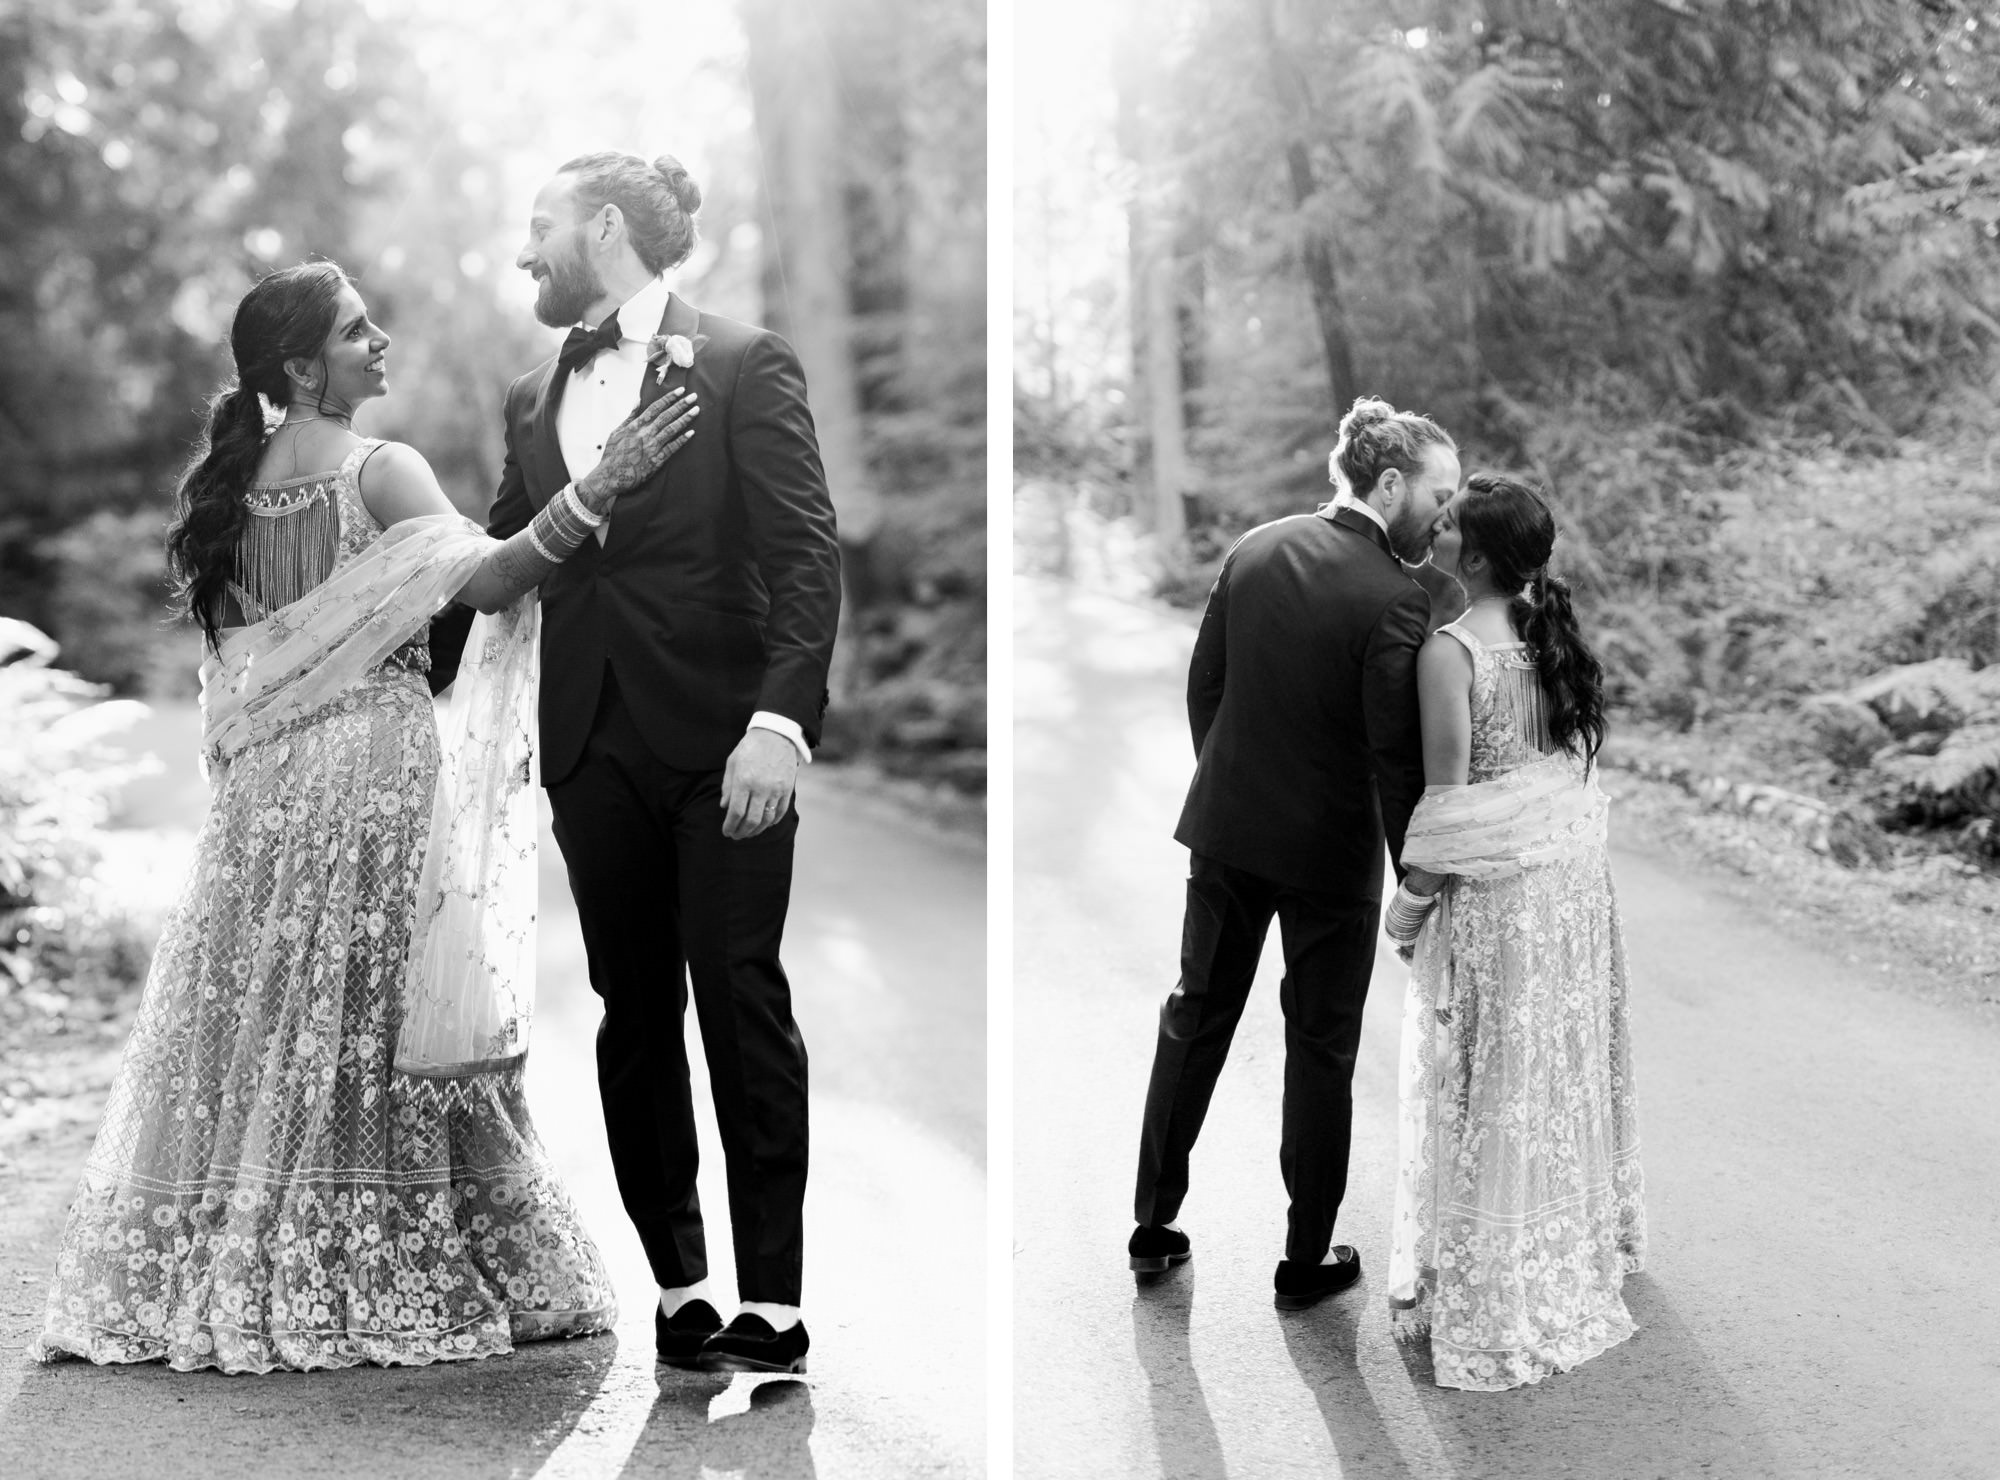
[[601, 394]]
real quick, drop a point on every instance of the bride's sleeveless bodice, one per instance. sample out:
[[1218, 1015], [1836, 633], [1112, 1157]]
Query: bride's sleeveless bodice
[[301, 530], [1509, 720]]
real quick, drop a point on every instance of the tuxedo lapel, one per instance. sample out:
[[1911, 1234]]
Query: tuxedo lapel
[[544, 446], [682, 318], [1362, 525]]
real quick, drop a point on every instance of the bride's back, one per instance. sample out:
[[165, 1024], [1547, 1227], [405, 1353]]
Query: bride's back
[[1509, 708], [291, 541], [302, 449]]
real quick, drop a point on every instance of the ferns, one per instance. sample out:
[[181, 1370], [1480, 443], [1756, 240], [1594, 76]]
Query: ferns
[[1941, 694], [1966, 768], [1947, 715]]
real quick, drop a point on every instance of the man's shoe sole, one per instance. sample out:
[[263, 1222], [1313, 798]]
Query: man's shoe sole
[[1157, 1263], [730, 1362]]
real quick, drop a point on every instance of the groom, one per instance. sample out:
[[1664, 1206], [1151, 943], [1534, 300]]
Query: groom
[[684, 666], [1302, 698]]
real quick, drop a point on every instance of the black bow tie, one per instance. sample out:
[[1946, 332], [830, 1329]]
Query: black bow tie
[[582, 345]]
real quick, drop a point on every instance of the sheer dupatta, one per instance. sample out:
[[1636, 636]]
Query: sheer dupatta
[[469, 983], [1542, 813]]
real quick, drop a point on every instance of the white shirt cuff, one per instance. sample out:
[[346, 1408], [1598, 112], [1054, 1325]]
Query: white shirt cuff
[[763, 719]]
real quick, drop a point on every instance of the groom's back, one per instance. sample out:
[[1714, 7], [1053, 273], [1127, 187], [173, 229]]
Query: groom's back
[[1302, 696]]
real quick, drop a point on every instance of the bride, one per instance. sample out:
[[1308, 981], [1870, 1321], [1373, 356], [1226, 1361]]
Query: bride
[[1519, 1202], [317, 1152]]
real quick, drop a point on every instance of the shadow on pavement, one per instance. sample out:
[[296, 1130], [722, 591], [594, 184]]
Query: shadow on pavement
[[769, 1441], [1183, 1430], [504, 1415], [1322, 1345], [1656, 1406]]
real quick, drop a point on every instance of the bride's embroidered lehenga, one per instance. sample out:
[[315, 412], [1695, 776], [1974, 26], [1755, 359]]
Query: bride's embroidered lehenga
[[1520, 1202], [317, 1152]]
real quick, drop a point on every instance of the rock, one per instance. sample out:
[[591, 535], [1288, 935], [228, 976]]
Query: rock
[[1845, 730], [1855, 842], [1847, 837]]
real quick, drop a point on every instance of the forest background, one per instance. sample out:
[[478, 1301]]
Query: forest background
[[1721, 274], [156, 157]]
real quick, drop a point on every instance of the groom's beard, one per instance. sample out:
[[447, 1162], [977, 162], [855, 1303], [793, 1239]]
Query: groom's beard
[[571, 286], [1410, 537]]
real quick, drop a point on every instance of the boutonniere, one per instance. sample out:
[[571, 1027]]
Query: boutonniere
[[663, 350]]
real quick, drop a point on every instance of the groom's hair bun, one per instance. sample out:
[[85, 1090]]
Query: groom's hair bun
[[1374, 437], [680, 184], [658, 201]]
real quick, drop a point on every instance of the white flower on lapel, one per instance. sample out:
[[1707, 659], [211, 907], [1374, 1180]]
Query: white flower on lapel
[[663, 350]]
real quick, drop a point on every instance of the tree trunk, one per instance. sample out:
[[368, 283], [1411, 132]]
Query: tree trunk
[[795, 96], [1159, 421], [1317, 248], [1166, 421]]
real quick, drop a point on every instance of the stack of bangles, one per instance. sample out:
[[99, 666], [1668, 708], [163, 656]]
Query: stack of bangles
[[1406, 914], [563, 525]]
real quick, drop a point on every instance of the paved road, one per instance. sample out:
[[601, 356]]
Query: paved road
[[1821, 1157], [886, 947]]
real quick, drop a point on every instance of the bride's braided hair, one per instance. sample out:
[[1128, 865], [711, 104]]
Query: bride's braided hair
[[658, 200], [287, 315], [1511, 524]]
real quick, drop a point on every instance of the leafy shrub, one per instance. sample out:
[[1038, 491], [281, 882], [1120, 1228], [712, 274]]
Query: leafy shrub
[[108, 604], [57, 777], [1939, 761]]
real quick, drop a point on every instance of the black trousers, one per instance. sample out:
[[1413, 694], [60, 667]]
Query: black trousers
[[1329, 945], [664, 898]]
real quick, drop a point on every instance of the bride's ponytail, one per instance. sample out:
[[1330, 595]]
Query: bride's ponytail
[[1511, 524], [209, 508], [1572, 677]]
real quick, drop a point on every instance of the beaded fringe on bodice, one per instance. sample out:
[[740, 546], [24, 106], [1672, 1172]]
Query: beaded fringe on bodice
[[289, 543], [300, 531]]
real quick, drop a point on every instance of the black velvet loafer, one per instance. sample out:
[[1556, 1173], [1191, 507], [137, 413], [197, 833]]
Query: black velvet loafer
[[748, 1344], [1300, 1286], [678, 1338], [1155, 1248]]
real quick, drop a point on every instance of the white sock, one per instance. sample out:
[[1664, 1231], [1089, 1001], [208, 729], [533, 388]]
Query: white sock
[[673, 1299], [781, 1317]]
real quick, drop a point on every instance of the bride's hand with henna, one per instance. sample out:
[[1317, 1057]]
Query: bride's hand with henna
[[639, 447]]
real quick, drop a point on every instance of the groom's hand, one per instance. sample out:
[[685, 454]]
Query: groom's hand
[[638, 447], [757, 783]]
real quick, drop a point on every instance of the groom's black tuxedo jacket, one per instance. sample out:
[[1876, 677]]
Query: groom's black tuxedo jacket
[[1302, 696], [718, 589]]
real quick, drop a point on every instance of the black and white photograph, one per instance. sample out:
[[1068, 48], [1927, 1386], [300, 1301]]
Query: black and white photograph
[[493, 738], [1037, 739], [1506, 591]]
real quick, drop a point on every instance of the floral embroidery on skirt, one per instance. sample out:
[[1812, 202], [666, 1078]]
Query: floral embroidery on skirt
[[265, 1191]]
